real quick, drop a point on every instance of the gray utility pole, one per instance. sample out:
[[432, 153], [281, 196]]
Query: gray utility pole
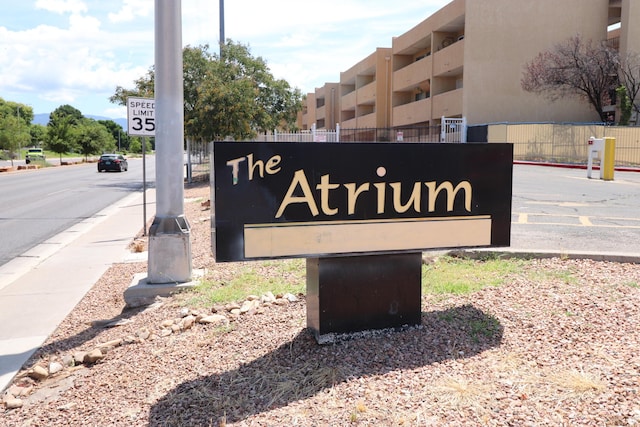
[[169, 235], [221, 26]]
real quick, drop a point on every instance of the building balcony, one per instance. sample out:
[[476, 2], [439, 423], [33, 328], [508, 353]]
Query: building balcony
[[321, 112], [348, 101], [367, 94], [412, 75], [448, 104], [412, 113], [367, 121], [448, 61], [349, 124]]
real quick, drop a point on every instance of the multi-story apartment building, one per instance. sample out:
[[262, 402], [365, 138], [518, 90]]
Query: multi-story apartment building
[[308, 112], [467, 59], [322, 108], [365, 90]]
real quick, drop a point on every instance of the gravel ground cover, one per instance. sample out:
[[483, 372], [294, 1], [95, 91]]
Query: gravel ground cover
[[557, 345]]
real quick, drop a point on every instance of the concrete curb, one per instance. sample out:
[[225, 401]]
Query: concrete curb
[[541, 253]]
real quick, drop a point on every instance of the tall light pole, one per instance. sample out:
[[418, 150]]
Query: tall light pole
[[221, 26], [169, 244]]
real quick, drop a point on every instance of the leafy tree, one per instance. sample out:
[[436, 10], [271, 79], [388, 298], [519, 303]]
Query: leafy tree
[[93, 137], [23, 112], [267, 103], [73, 115], [119, 134], [68, 130], [135, 146], [38, 134], [144, 88], [575, 68], [625, 105], [13, 135], [226, 104], [196, 62], [15, 119], [60, 134], [629, 75], [236, 96]]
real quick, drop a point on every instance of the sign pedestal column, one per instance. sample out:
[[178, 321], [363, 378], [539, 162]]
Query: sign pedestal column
[[356, 293]]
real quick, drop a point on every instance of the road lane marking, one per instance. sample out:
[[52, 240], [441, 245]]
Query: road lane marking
[[578, 220]]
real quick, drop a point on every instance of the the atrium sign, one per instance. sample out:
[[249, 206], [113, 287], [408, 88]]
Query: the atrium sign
[[279, 200]]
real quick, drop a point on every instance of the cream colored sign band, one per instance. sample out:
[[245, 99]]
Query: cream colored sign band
[[336, 237]]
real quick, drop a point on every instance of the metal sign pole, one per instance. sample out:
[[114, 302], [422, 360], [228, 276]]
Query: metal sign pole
[[144, 186]]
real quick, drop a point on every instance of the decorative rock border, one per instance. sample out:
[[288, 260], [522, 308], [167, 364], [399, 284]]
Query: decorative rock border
[[220, 316]]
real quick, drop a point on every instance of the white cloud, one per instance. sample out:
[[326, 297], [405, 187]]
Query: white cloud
[[305, 42], [132, 9], [64, 65], [85, 25], [62, 6], [97, 45]]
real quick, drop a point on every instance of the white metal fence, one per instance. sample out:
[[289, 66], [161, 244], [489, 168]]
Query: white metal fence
[[453, 130], [313, 135]]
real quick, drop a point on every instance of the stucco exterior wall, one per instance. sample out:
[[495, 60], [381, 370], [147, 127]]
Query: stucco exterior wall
[[502, 36], [467, 59]]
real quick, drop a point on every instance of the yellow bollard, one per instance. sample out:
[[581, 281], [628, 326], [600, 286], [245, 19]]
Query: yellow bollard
[[608, 163]]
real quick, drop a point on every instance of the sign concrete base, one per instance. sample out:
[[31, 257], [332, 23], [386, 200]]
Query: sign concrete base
[[141, 292], [169, 250], [357, 293]]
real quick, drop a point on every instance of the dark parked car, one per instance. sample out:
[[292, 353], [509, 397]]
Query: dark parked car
[[112, 162]]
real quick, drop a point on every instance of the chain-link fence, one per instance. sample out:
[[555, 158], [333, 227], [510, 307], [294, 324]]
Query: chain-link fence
[[560, 142], [197, 161]]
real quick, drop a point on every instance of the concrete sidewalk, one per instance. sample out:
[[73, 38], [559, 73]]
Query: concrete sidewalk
[[42, 286]]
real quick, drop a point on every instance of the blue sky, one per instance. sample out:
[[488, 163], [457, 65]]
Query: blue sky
[[56, 52]]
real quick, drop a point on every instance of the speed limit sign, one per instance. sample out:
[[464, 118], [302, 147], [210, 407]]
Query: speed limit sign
[[141, 116]]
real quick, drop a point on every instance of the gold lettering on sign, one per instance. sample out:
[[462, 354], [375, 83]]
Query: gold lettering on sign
[[324, 188], [271, 167], [448, 187], [300, 184], [415, 198], [352, 195], [299, 180]]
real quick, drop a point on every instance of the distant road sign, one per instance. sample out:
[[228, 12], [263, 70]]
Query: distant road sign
[[141, 115]]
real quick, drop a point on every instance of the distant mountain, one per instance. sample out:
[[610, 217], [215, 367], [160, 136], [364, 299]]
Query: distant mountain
[[43, 119]]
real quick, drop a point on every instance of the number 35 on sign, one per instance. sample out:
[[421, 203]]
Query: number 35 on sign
[[141, 116]]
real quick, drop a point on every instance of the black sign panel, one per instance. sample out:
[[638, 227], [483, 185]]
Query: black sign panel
[[284, 200]]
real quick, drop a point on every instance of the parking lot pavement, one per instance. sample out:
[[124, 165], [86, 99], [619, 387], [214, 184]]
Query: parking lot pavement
[[561, 210]]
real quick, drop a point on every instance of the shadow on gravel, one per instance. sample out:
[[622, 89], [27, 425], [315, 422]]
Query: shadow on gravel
[[301, 368]]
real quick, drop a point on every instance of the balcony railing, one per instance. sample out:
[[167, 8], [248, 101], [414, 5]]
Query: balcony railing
[[412, 75], [414, 112]]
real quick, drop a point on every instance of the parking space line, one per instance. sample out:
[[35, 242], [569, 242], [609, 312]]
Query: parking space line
[[584, 220], [580, 220]]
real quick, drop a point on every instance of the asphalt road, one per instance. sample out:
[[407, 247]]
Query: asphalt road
[[38, 204], [560, 209]]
